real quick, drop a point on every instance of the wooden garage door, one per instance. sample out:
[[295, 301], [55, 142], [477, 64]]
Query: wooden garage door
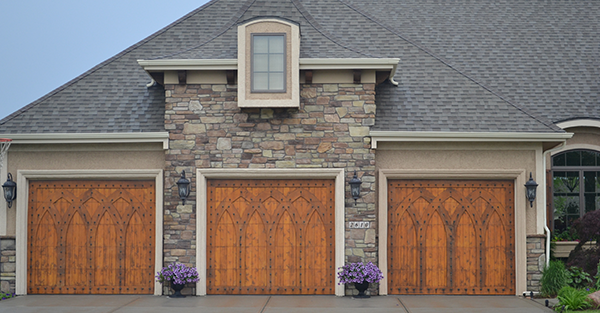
[[91, 237], [451, 237], [270, 237]]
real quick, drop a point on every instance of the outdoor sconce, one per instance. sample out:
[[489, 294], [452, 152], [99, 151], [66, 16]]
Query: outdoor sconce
[[184, 187], [355, 187], [531, 187], [10, 190]]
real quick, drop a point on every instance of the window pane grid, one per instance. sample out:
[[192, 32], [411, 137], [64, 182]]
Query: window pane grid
[[576, 186], [268, 68]]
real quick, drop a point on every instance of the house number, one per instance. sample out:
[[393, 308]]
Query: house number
[[359, 224]]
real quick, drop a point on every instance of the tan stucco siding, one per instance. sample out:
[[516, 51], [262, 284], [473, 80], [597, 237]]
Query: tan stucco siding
[[586, 138], [80, 157], [462, 156]]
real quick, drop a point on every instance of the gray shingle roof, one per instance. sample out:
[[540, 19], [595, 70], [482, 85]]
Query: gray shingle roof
[[541, 55], [465, 66]]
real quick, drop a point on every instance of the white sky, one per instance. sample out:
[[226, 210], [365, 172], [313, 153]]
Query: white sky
[[46, 43]]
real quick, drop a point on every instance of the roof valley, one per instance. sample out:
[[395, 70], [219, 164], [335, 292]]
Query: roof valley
[[541, 120]]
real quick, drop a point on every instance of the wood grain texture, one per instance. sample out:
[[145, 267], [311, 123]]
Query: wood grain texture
[[91, 237], [270, 237], [451, 237]]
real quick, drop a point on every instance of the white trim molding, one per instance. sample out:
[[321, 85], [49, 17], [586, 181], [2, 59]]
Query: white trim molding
[[202, 176], [517, 175], [188, 64], [382, 64], [420, 136], [577, 146], [23, 178], [389, 64], [584, 122], [83, 138]]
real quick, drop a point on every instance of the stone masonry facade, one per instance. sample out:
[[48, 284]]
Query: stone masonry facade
[[329, 130], [536, 258], [7, 264]]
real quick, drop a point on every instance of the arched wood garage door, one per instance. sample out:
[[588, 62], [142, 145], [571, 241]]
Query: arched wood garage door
[[270, 237], [451, 237], [91, 237]]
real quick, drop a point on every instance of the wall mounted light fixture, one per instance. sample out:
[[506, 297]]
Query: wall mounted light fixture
[[531, 187], [183, 185], [355, 187], [10, 190]]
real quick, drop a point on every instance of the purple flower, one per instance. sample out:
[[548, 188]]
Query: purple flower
[[359, 272], [177, 274]]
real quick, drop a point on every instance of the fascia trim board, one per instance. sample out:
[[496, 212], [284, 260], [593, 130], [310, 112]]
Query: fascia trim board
[[407, 136], [305, 64], [82, 138]]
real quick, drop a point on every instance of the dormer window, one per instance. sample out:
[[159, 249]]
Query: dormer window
[[268, 63]]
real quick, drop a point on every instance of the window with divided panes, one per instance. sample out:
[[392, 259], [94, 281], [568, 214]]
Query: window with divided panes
[[576, 186], [268, 63]]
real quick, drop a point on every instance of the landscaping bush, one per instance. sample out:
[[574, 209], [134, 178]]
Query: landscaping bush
[[578, 278], [597, 277], [554, 277], [587, 229], [574, 299], [6, 295]]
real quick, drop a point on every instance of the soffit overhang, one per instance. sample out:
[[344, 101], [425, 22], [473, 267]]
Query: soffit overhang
[[420, 136]]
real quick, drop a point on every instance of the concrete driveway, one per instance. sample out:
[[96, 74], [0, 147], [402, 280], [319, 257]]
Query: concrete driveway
[[269, 304]]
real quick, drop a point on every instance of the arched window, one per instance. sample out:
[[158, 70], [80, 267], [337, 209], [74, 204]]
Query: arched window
[[576, 186]]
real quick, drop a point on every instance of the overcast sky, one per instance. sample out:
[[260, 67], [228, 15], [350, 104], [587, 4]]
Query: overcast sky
[[46, 43]]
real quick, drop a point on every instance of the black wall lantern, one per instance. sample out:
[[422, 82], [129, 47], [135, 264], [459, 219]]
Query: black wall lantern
[[355, 187], [531, 187], [184, 187], [10, 190]]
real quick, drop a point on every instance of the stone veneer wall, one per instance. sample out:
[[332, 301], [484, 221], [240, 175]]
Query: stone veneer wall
[[329, 130], [536, 260], [7, 264]]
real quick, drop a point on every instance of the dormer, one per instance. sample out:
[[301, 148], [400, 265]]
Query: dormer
[[268, 64]]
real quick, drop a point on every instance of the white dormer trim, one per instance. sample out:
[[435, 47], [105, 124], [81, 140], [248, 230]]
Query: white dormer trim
[[291, 97]]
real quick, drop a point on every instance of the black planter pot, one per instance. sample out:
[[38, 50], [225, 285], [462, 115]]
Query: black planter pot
[[362, 287], [177, 288]]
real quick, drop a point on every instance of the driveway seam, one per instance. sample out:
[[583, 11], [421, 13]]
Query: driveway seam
[[404, 306], [266, 303], [124, 305]]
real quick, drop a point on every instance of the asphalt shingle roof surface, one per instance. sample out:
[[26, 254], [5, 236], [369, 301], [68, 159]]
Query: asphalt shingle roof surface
[[465, 66]]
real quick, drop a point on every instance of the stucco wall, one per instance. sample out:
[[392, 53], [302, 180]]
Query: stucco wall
[[457, 155], [583, 138], [80, 156]]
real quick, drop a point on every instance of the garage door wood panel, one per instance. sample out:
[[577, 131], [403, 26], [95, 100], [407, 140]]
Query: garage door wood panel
[[91, 237], [270, 237], [451, 237]]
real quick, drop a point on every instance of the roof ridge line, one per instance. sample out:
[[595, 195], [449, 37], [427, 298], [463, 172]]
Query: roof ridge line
[[218, 33], [309, 18], [542, 120], [102, 64]]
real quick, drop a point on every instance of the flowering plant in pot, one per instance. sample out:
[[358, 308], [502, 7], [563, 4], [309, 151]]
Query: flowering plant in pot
[[361, 275], [177, 275]]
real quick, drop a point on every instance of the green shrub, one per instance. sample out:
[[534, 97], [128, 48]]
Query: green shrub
[[554, 277], [597, 277], [6, 295], [574, 299], [578, 278]]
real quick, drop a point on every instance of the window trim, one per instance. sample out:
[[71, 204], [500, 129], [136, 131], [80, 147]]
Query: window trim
[[285, 65], [290, 98], [570, 168]]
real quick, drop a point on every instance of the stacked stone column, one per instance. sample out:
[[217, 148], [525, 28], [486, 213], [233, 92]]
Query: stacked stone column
[[536, 259]]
